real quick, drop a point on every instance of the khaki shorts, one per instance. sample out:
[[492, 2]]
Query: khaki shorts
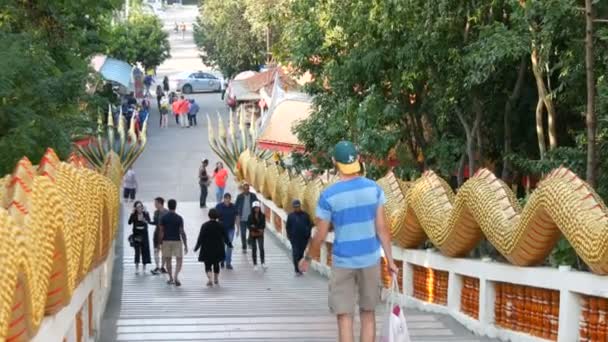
[[172, 249], [348, 285]]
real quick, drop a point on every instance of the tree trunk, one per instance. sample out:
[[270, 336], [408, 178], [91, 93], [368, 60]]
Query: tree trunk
[[478, 110], [470, 133], [506, 163], [540, 130], [461, 166], [543, 94], [590, 115]]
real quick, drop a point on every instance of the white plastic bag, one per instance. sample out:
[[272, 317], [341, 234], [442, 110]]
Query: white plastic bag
[[394, 327]]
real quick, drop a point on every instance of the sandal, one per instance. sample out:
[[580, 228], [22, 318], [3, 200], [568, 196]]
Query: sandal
[[177, 283]]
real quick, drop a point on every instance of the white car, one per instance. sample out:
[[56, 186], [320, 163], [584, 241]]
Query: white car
[[195, 81]]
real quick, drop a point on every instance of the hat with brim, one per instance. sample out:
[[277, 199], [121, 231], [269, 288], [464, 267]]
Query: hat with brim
[[347, 158]]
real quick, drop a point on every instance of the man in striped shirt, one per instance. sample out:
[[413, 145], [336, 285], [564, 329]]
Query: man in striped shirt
[[355, 207]]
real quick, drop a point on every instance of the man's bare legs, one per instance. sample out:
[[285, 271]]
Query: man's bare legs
[[345, 328], [169, 268], [178, 267], [368, 326]]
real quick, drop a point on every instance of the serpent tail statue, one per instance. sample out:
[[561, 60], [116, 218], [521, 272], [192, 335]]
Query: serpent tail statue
[[562, 204]]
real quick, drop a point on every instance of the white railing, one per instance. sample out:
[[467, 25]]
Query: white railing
[[572, 288]]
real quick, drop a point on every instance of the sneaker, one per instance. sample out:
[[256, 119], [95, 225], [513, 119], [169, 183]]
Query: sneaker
[[155, 271], [255, 267], [264, 267], [209, 283], [229, 267]]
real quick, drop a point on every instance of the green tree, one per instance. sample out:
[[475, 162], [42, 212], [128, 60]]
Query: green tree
[[140, 39], [226, 39], [44, 68]]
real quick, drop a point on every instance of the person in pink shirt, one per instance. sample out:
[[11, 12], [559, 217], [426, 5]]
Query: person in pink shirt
[[183, 107]]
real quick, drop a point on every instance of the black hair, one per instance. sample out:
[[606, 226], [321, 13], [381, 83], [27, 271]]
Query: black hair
[[172, 204], [213, 214], [160, 200], [136, 203], [227, 195]]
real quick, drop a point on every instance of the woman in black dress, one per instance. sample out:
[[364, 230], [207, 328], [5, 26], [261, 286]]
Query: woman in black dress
[[140, 219], [211, 240], [256, 225]]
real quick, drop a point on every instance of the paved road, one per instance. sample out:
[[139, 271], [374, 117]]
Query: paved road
[[248, 305]]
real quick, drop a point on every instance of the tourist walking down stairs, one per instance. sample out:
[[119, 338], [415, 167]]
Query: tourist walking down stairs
[[227, 217], [172, 235], [159, 204], [141, 243], [244, 202], [257, 224], [211, 240]]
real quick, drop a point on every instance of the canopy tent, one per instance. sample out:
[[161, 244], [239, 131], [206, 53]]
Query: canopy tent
[[245, 74], [276, 133], [113, 70]]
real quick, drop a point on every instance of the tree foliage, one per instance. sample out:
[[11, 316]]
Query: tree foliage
[[140, 39], [450, 83], [226, 38], [44, 71]]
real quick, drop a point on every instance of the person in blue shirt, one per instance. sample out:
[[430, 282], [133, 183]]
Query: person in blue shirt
[[227, 216], [355, 207], [192, 112], [298, 232]]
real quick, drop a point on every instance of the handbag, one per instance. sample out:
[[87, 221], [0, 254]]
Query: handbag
[[254, 233], [394, 328], [134, 240]]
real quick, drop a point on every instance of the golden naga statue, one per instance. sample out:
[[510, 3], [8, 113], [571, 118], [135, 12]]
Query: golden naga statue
[[427, 208], [58, 221]]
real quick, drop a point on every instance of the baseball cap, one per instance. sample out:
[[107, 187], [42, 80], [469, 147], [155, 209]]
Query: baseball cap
[[347, 157], [296, 203], [255, 204]]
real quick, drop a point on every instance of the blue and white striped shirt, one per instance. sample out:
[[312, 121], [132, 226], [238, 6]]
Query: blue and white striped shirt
[[351, 207]]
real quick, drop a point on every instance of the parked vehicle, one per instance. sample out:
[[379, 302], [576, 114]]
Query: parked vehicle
[[195, 81]]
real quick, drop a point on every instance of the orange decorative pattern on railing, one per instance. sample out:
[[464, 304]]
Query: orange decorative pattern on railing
[[399, 265], [278, 222], [469, 297], [267, 213], [430, 285], [593, 324], [527, 309]]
